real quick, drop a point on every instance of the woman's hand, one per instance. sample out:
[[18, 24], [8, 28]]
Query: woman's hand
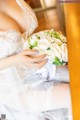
[[28, 58], [31, 59]]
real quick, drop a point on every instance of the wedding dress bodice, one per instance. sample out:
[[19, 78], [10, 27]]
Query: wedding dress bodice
[[11, 43]]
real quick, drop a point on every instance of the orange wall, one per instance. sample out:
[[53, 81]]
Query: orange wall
[[72, 15]]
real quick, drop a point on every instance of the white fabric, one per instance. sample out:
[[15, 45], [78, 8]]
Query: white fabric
[[17, 99], [11, 42]]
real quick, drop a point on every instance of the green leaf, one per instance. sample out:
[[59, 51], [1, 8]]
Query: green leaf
[[56, 35], [59, 44], [34, 45], [58, 62], [48, 48], [38, 37], [31, 47]]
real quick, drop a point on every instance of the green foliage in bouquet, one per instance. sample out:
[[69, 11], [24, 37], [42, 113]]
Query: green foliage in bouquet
[[31, 46], [58, 62]]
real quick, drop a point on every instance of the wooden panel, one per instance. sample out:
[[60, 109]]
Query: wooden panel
[[72, 14], [34, 3], [47, 19]]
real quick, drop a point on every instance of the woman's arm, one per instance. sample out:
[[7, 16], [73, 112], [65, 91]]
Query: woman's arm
[[28, 58]]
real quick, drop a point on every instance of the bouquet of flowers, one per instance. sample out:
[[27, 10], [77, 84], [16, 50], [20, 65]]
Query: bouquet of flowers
[[51, 43]]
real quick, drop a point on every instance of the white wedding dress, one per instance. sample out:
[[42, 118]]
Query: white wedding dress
[[17, 99], [20, 99]]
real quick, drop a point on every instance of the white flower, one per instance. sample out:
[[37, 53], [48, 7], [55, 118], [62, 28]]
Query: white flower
[[50, 42]]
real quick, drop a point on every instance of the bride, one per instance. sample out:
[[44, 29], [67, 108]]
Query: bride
[[17, 100]]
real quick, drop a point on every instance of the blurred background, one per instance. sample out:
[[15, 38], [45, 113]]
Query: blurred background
[[41, 4], [49, 14]]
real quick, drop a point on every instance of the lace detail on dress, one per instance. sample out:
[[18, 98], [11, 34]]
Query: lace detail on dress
[[11, 43], [30, 17]]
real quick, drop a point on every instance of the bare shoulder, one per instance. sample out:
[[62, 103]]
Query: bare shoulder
[[6, 22]]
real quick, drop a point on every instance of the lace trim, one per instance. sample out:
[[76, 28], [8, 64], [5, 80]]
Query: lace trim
[[11, 43], [30, 17]]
